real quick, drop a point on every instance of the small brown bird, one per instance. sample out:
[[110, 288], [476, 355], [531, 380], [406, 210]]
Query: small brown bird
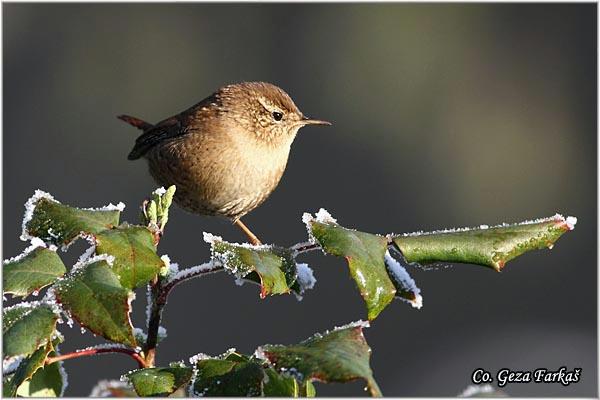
[[225, 154]]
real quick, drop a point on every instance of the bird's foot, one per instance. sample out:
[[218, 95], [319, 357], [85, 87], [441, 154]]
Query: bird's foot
[[251, 236]]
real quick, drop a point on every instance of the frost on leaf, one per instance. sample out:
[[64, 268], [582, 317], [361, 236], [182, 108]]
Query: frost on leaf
[[340, 355], [159, 381], [27, 368], [30, 271], [228, 375], [273, 267], [94, 296], [59, 224], [305, 280], [27, 327], [488, 246], [406, 288], [364, 253], [48, 381]]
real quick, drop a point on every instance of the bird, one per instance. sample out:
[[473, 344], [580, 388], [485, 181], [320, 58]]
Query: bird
[[225, 154]]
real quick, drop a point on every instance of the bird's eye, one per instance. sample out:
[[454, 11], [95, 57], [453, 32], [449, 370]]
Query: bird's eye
[[277, 115]]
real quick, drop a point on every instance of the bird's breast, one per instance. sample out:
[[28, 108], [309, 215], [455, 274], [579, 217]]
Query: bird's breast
[[223, 175]]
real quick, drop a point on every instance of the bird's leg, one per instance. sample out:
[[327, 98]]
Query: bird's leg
[[253, 239]]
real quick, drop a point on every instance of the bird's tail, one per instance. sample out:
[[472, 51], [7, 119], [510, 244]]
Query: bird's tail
[[133, 121]]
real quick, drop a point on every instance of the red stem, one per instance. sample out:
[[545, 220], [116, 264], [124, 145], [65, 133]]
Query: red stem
[[91, 352]]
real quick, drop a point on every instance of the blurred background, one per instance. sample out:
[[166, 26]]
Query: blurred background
[[444, 115]]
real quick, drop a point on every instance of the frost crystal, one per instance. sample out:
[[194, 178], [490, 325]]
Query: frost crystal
[[84, 262], [170, 269], [110, 207], [103, 346], [35, 243], [259, 353], [29, 208], [210, 238], [356, 324], [162, 332], [140, 335], [306, 279], [192, 271], [569, 221], [200, 356], [64, 376], [403, 278], [9, 365], [148, 304], [160, 191]]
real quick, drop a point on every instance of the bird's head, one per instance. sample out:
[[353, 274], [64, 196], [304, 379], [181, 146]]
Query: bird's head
[[264, 111]]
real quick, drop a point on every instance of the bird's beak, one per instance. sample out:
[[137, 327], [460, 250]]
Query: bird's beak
[[308, 121]]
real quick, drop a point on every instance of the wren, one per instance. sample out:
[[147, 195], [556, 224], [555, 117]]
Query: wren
[[225, 154]]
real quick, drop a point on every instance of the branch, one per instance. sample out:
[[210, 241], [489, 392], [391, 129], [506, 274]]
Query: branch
[[160, 292], [186, 274], [304, 247], [98, 350]]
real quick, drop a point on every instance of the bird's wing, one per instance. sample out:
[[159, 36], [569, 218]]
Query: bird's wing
[[164, 130]]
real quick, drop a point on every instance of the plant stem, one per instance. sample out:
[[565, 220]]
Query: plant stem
[[154, 322], [160, 290], [93, 351], [188, 273]]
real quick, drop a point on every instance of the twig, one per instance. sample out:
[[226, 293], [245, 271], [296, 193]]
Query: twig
[[304, 247], [154, 322], [186, 274], [93, 351]]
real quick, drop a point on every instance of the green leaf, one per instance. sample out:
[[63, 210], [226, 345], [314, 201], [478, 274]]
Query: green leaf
[[278, 385], [159, 381], [27, 368], [341, 355], [94, 296], [26, 327], [47, 381], [273, 267], [31, 271], [223, 377], [364, 253], [60, 224], [136, 261], [491, 247]]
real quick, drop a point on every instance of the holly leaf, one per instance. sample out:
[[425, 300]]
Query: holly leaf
[[26, 327], [94, 296], [48, 381], [31, 271], [228, 377], [159, 382], [341, 355], [273, 267], [364, 253], [278, 385], [492, 247], [136, 261], [27, 368], [59, 224]]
